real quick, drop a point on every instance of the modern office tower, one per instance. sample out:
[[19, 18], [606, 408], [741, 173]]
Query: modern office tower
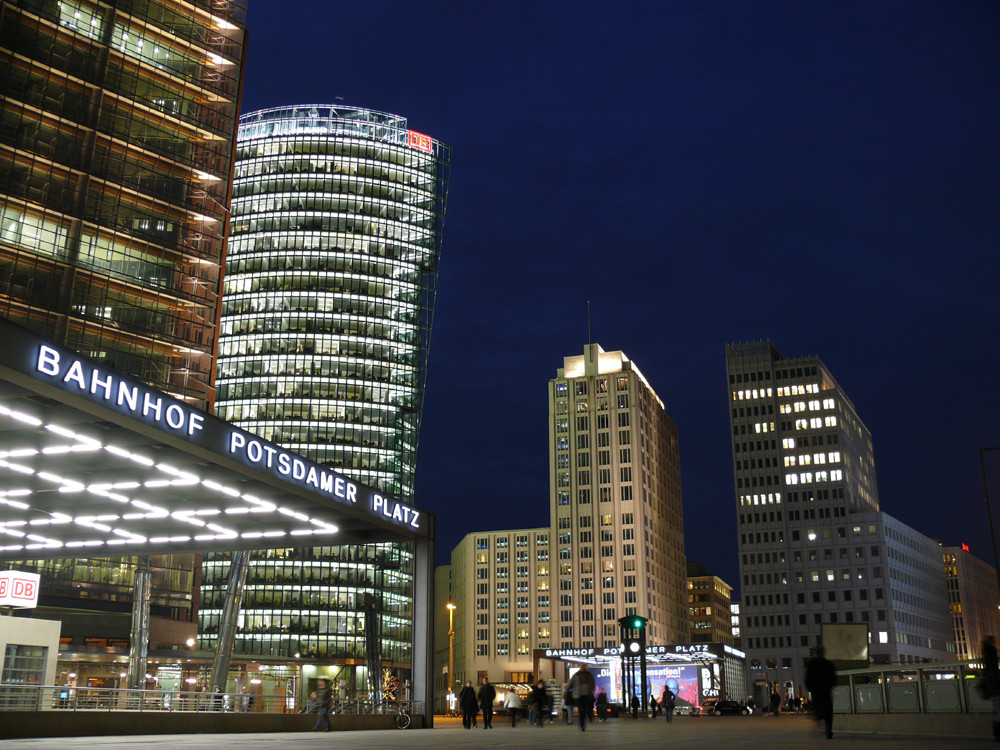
[[709, 606], [331, 275], [116, 145], [973, 600], [615, 498], [813, 546]]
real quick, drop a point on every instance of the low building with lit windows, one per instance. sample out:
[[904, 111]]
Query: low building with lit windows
[[709, 607], [973, 600]]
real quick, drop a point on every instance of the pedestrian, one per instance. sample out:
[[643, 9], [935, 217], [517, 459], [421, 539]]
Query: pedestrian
[[776, 700], [513, 705], [312, 704], [469, 705], [217, 698], [567, 707], [821, 676], [653, 706], [991, 680], [324, 696], [581, 686], [602, 706], [668, 700], [538, 701], [487, 694], [635, 706]]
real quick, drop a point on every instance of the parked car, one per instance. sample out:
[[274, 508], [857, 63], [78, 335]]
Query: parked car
[[733, 708]]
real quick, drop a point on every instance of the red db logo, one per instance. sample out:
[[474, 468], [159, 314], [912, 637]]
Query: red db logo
[[421, 141]]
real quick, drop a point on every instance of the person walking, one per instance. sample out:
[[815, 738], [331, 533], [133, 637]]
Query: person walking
[[513, 705], [653, 705], [635, 706], [776, 701], [538, 700], [821, 676], [581, 685], [487, 694], [324, 696], [668, 700], [991, 680], [602, 706], [468, 704]]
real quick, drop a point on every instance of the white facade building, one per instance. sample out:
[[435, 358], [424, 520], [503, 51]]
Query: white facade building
[[615, 545]]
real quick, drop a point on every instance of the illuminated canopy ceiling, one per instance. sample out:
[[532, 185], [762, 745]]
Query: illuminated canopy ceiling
[[96, 463]]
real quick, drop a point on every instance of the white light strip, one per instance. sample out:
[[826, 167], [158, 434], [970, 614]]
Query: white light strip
[[21, 416], [293, 514]]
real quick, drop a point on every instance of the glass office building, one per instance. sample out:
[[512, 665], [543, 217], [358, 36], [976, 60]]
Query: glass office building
[[116, 141], [331, 275], [117, 134]]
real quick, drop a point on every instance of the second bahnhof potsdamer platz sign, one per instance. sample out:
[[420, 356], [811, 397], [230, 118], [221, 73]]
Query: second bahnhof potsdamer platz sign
[[95, 462]]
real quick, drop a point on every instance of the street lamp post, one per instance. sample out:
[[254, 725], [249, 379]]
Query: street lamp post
[[451, 650], [989, 508]]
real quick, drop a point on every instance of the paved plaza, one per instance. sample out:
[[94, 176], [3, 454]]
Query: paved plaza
[[702, 733]]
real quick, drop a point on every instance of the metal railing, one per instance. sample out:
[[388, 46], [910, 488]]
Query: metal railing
[[20, 697], [917, 689]]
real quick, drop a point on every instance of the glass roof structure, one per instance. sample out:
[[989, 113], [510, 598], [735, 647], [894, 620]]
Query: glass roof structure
[[94, 462]]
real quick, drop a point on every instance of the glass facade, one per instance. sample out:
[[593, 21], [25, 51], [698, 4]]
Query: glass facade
[[331, 275], [117, 129], [116, 139]]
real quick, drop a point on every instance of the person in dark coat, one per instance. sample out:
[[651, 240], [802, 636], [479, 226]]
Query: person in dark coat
[[602, 706], [538, 701], [635, 706], [991, 677], [821, 677], [487, 694], [324, 696], [582, 685], [776, 701], [668, 701], [468, 704]]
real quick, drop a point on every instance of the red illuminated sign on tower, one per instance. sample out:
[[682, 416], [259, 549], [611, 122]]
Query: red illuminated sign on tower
[[421, 141]]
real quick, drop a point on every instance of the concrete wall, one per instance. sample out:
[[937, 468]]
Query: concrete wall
[[24, 631]]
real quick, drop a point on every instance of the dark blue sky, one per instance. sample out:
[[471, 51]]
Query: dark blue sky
[[826, 175]]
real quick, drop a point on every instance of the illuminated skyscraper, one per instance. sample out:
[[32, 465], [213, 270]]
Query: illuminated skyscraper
[[615, 497], [814, 548], [330, 283], [117, 130]]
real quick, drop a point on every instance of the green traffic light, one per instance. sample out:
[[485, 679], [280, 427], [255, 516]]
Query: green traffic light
[[637, 623]]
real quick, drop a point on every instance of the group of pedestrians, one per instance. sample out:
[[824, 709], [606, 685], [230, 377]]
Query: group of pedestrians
[[470, 702]]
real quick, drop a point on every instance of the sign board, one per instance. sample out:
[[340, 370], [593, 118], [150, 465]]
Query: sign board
[[420, 141], [19, 589]]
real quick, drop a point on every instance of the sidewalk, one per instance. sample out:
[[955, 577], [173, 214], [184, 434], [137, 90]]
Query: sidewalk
[[701, 733]]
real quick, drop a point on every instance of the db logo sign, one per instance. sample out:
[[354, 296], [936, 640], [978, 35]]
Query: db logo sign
[[18, 589], [421, 141]]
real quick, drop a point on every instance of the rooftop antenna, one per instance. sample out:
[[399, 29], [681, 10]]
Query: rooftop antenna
[[590, 342]]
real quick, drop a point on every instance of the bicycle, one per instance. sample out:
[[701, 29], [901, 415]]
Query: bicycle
[[402, 718]]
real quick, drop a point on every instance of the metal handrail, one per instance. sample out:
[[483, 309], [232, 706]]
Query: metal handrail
[[25, 697]]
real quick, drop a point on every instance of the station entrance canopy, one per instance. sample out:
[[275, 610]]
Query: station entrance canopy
[[93, 462]]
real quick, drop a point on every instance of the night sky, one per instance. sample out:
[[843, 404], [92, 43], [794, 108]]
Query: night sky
[[825, 175]]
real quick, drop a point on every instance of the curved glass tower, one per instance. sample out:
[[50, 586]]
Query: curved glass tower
[[331, 275]]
